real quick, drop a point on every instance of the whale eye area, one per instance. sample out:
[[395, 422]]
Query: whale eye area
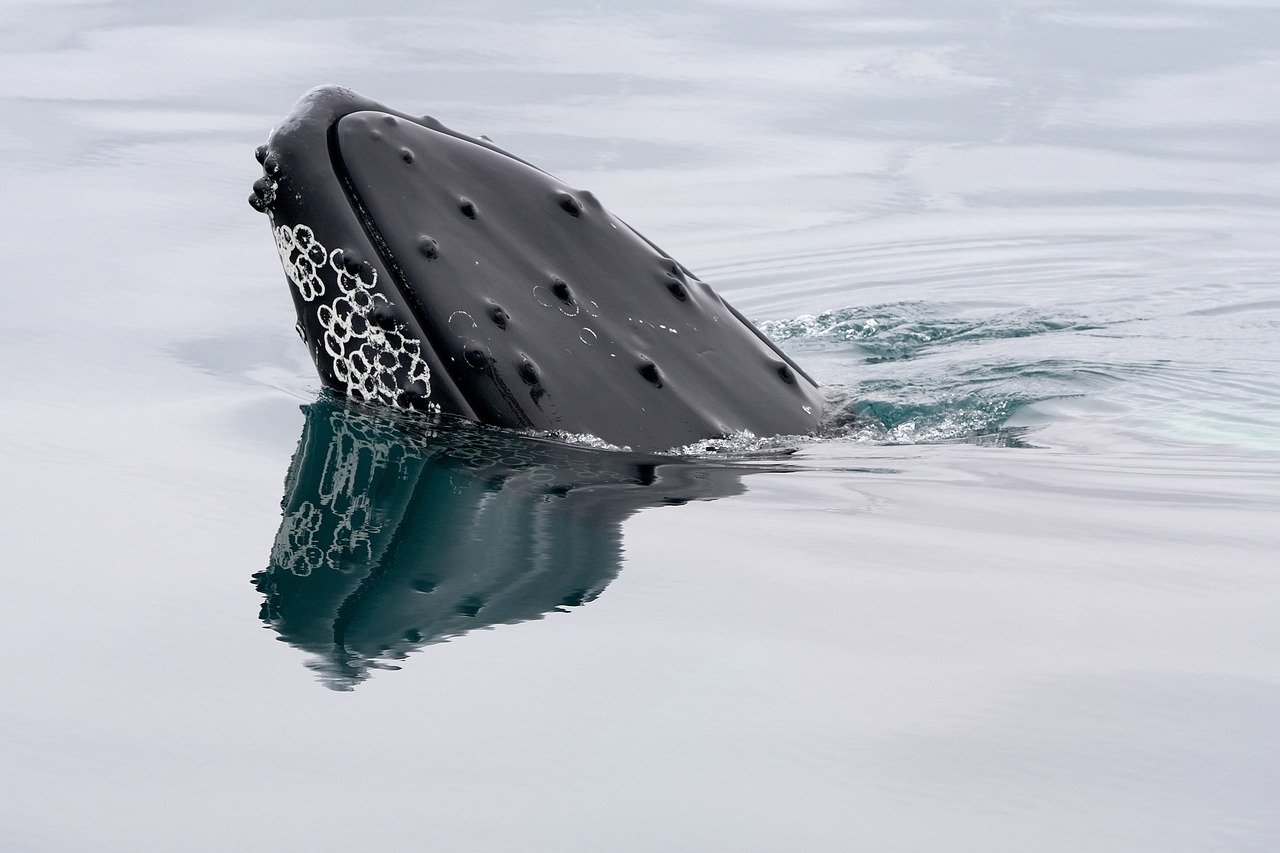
[[406, 155], [468, 208], [499, 316], [649, 371], [786, 375], [428, 248], [678, 290]]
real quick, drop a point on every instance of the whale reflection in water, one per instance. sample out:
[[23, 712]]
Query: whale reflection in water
[[396, 534]]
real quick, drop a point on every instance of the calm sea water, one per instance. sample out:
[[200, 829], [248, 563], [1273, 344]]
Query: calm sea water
[[1027, 601]]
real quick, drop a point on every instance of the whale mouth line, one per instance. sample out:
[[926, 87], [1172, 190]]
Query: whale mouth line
[[399, 279]]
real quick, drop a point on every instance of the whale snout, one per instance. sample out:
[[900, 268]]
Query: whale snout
[[435, 272], [364, 339]]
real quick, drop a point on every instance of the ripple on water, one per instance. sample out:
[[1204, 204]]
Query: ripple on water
[[1156, 320]]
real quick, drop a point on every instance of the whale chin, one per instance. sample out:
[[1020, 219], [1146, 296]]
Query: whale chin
[[435, 272]]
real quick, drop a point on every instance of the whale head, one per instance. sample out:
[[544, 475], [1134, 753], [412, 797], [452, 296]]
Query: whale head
[[436, 272]]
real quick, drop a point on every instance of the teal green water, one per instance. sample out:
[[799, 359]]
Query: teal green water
[[1020, 595]]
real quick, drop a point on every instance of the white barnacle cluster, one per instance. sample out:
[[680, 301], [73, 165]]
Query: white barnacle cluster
[[303, 258], [374, 361]]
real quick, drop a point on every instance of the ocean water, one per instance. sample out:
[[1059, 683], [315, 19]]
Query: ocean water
[[1021, 594]]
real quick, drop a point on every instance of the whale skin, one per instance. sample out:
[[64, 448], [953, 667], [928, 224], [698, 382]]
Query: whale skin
[[434, 272]]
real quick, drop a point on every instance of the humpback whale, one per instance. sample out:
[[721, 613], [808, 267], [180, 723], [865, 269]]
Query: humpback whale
[[397, 534], [433, 271]]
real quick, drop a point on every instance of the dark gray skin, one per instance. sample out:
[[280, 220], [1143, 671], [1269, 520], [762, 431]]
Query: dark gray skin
[[434, 271]]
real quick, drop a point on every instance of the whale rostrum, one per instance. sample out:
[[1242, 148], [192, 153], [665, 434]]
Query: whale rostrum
[[435, 272]]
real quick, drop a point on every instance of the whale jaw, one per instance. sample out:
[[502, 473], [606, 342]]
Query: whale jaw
[[435, 272]]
